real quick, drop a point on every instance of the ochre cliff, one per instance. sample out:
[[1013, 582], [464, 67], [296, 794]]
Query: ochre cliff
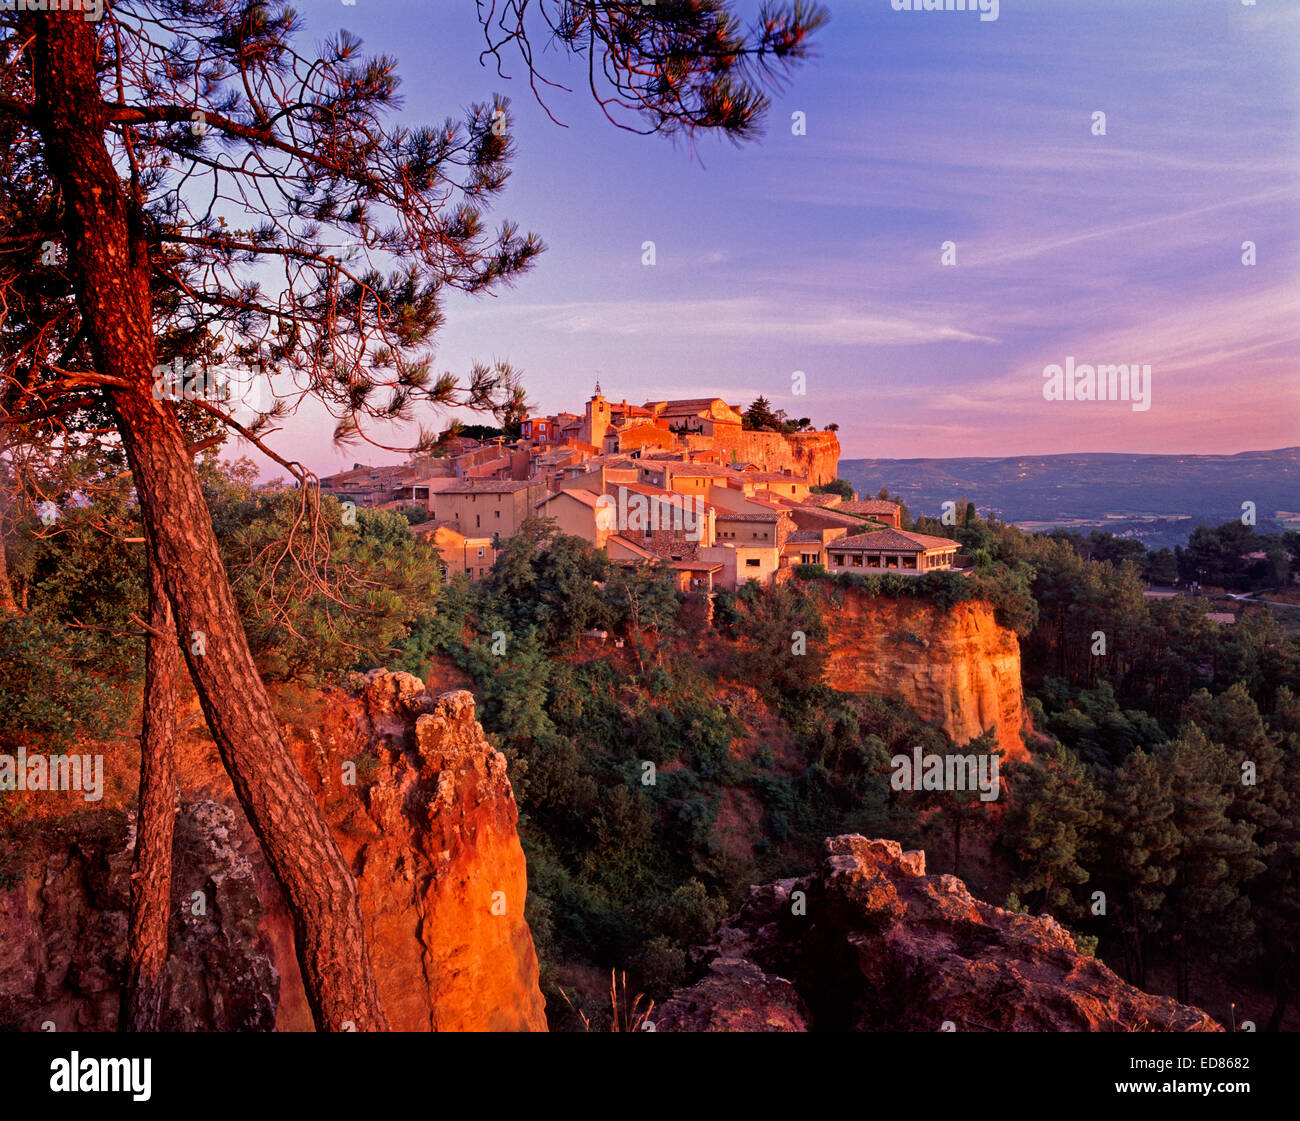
[[443, 869], [869, 942], [955, 666], [814, 455], [428, 828]]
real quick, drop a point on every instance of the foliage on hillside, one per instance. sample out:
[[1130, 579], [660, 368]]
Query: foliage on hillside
[[624, 761], [1170, 782], [659, 778]]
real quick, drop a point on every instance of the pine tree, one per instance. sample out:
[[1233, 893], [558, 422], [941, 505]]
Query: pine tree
[[1275, 895], [760, 417], [1138, 844], [963, 812], [1207, 912], [223, 106], [1051, 829], [1254, 756]]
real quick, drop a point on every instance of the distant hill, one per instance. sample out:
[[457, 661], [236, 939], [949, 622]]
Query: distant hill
[[1158, 499]]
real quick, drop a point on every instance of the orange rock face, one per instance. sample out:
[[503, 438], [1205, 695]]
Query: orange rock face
[[869, 942], [814, 455], [957, 667], [439, 867], [421, 806]]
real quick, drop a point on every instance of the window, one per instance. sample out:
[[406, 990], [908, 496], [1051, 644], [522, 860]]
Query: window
[[909, 562], [497, 512], [838, 559], [857, 560], [752, 562], [482, 552], [478, 519]]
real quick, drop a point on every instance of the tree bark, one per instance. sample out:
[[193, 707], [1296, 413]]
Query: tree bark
[[110, 263], [8, 605], [1281, 998], [151, 871], [956, 844]]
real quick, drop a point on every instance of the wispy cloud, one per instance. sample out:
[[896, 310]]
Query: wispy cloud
[[741, 318]]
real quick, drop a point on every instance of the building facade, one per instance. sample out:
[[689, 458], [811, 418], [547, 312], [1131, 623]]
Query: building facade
[[892, 550], [483, 507]]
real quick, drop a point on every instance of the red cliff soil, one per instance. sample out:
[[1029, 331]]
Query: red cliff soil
[[956, 667], [881, 946], [813, 455], [441, 868], [428, 829]]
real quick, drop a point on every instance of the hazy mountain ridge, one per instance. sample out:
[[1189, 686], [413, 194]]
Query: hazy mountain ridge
[[1158, 498]]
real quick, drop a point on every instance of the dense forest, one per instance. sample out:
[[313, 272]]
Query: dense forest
[[661, 773]]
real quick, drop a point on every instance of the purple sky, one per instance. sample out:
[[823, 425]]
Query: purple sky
[[822, 253]]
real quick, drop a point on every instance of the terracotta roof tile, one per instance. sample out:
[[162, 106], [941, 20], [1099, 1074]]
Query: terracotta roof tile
[[895, 540], [869, 506], [489, 486]]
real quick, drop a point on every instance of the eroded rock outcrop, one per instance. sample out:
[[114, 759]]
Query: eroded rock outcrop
[[956, 666], [62, 941], [811, 455], [881, 946], [63, 934], [421, 806], [443, 869]]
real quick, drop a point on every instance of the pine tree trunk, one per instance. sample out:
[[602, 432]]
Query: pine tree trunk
[[1139, 948], [151, 871], [109, 257], [8, 605], [956, 844], [1281, 998]]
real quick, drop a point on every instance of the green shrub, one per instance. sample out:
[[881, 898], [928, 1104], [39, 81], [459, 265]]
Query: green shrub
[[54, 685]]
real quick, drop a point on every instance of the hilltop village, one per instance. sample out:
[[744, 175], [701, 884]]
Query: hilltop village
[[683, 482]]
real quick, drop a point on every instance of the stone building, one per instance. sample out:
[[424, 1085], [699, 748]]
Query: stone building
[[898, 551]]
